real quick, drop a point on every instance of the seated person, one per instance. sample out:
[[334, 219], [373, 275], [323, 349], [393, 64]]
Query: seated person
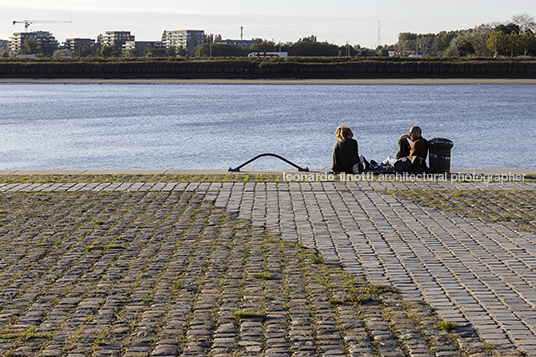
[[418, 148], [412, 160], [345, 155]]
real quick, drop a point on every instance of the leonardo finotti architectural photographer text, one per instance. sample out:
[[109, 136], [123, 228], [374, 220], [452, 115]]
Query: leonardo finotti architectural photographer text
[[369, 176]]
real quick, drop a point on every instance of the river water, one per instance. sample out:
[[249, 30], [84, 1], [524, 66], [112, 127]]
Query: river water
[[211, 126]]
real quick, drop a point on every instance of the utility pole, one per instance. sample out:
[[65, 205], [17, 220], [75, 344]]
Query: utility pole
[[379, 38]]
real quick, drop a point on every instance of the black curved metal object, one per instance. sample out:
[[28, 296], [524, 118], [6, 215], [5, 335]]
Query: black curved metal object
[[237, 169]]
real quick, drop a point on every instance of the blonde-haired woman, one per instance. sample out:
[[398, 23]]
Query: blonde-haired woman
[[345, 152]]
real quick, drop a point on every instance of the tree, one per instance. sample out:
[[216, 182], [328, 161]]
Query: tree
[[447, 37], [62, 53], [30, 47], [181, 51], [347, 51], [86, 50], [525, 22], [212, 38], [497, 42], [527, 41], [438, 46], [156, 52], [4, 47], [219, 50], [108, 51], [465, 49], [5, 54], [407, 42], [263, 46], [512, 43], [309, 46], [133, 52], [508, 29], [364, 52], [171, 51], [424, 44], [407, 36], [477, 37]]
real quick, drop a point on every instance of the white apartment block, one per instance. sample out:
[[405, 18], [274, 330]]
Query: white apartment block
[[44, 39], [189, 39], [116, 38], [77, 43]]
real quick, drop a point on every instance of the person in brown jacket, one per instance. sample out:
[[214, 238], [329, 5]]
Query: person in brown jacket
[[418, 148]]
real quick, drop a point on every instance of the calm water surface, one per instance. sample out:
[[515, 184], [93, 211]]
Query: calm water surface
[[170, 126]]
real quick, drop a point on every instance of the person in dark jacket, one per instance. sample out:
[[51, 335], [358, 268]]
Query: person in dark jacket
[[345, 153]]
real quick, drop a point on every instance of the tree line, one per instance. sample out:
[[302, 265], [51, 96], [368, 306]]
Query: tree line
[[514, 38]]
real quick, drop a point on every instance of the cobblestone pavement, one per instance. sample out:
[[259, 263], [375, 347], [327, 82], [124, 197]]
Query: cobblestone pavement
[[467, 270], [140, 269]]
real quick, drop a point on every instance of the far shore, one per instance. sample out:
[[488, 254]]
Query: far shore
[[432, 81]]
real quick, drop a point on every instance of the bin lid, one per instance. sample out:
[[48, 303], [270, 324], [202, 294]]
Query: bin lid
[[440, 143]]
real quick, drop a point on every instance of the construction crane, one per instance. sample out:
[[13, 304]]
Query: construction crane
[[27, 23]]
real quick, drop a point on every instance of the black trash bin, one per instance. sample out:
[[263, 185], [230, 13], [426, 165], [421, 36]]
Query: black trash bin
[[439, 155]]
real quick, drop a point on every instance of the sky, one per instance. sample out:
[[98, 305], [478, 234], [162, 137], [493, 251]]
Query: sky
[[335, 21]]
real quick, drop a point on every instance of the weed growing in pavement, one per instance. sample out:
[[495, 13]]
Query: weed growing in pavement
[[378, 289], [406, 305], [512, 208], [335, 302], [263, 276], [447, 325], [165, 178], [316, 258], [244, 314], [26, 335], [104, 247], [178, 284], [489, 347], [362, 299], [324, 282], [389, 314]]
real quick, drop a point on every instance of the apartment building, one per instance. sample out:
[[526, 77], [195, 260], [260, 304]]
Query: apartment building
[[116, 38], [44, 39], [141, 46], [189, 39], [77, 43]]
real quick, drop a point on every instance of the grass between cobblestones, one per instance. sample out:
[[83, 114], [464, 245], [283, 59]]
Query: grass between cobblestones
[[513, 208], [231, 177], [168, 274], [167, 178]]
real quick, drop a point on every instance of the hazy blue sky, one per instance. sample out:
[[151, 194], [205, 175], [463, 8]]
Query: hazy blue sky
[[335, 21]]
